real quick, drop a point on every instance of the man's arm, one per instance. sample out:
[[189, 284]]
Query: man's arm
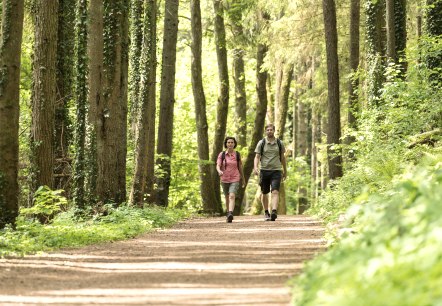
[[284, 167], [256, 163]]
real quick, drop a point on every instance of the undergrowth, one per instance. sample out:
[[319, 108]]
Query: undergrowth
[[67, 230]]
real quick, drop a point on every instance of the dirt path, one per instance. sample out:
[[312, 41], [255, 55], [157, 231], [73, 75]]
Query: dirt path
[[197, 262]]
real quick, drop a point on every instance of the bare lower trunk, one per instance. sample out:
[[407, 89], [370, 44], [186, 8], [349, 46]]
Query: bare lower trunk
[[223, 96], [10, 50], [167, 101], [261, 107], [206, 187], [334, 123], [44, 92]]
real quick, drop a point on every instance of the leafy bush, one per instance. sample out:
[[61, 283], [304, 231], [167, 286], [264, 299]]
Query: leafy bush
[[46, 203], [66, 230], [395, 256]]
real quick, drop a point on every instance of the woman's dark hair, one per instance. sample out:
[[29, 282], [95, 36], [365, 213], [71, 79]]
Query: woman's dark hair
[[227, 138]]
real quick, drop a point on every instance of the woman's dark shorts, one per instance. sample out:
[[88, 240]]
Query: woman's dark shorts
[[269, 178]]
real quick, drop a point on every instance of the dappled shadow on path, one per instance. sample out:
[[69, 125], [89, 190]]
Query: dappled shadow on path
[[197, 262]]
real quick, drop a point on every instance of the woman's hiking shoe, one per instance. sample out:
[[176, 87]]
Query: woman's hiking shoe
[[266, 216], [229, 218], [274, 215]]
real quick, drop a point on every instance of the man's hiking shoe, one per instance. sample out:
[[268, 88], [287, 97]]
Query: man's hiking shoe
[[274, 215], [229, 218], [267, 216]]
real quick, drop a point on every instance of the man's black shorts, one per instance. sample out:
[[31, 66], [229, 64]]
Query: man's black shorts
[[269, 178]]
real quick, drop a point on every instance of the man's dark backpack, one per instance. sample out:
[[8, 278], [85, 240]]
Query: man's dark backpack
[[263, 143], [223, 159]]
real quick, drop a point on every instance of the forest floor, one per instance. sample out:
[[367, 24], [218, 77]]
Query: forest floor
[[196, 262]]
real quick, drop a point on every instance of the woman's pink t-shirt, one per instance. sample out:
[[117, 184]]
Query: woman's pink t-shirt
[[229, 167]]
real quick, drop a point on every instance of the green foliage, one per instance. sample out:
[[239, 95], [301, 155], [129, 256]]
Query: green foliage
[[394, 258], [46, 204], [384, 214], [66, 230]]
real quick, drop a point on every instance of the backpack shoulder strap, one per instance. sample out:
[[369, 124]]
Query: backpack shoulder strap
[[223, 158], [263, 143]]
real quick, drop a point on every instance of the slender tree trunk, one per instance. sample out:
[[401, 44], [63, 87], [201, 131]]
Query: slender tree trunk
[[145, 154], [79, 194], [235, 14], [316, 139], [44, 92], [391, 33], [434, 28], [295, 123], [223, 96], [112, 111], [279, 74], [10, 51], [334, 123], [207, 191], [302, 145], [353, 84], [167, 100], [283, 103], [419, 24], [270, 116], [400, 17], [95, 49], [240, 97], [136, 44], [65, 67], [375, 46], [261, 107]]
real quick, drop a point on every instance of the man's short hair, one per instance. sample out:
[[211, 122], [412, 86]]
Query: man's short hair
[[270, 125]]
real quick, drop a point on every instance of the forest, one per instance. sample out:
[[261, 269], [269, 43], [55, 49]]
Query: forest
[[113, 113]]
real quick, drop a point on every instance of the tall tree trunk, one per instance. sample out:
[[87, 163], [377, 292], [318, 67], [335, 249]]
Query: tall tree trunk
[[10, 51], [400, 24], [207, 192], [261, 107], [375, 45], [270, 115], [334, 122], [65, 67], [240, 97], [79, 194], [434, 28], [353, 84], [302, 149], [316, 139], [235, 14], [136, 44], [391, 33], [167, 100], [283, 106], [295, 122], [279, 73], [283, 103], [44, 92], [145, 154], [223, 96], [112, 111], [95, 51]]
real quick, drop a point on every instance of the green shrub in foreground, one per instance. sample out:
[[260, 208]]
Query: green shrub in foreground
[[395, 257], [123, 222]]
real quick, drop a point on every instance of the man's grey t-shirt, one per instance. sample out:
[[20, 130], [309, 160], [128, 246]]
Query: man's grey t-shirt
[[270, 159]]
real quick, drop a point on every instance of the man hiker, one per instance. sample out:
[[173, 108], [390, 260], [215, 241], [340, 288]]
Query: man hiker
[[270, 153]]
